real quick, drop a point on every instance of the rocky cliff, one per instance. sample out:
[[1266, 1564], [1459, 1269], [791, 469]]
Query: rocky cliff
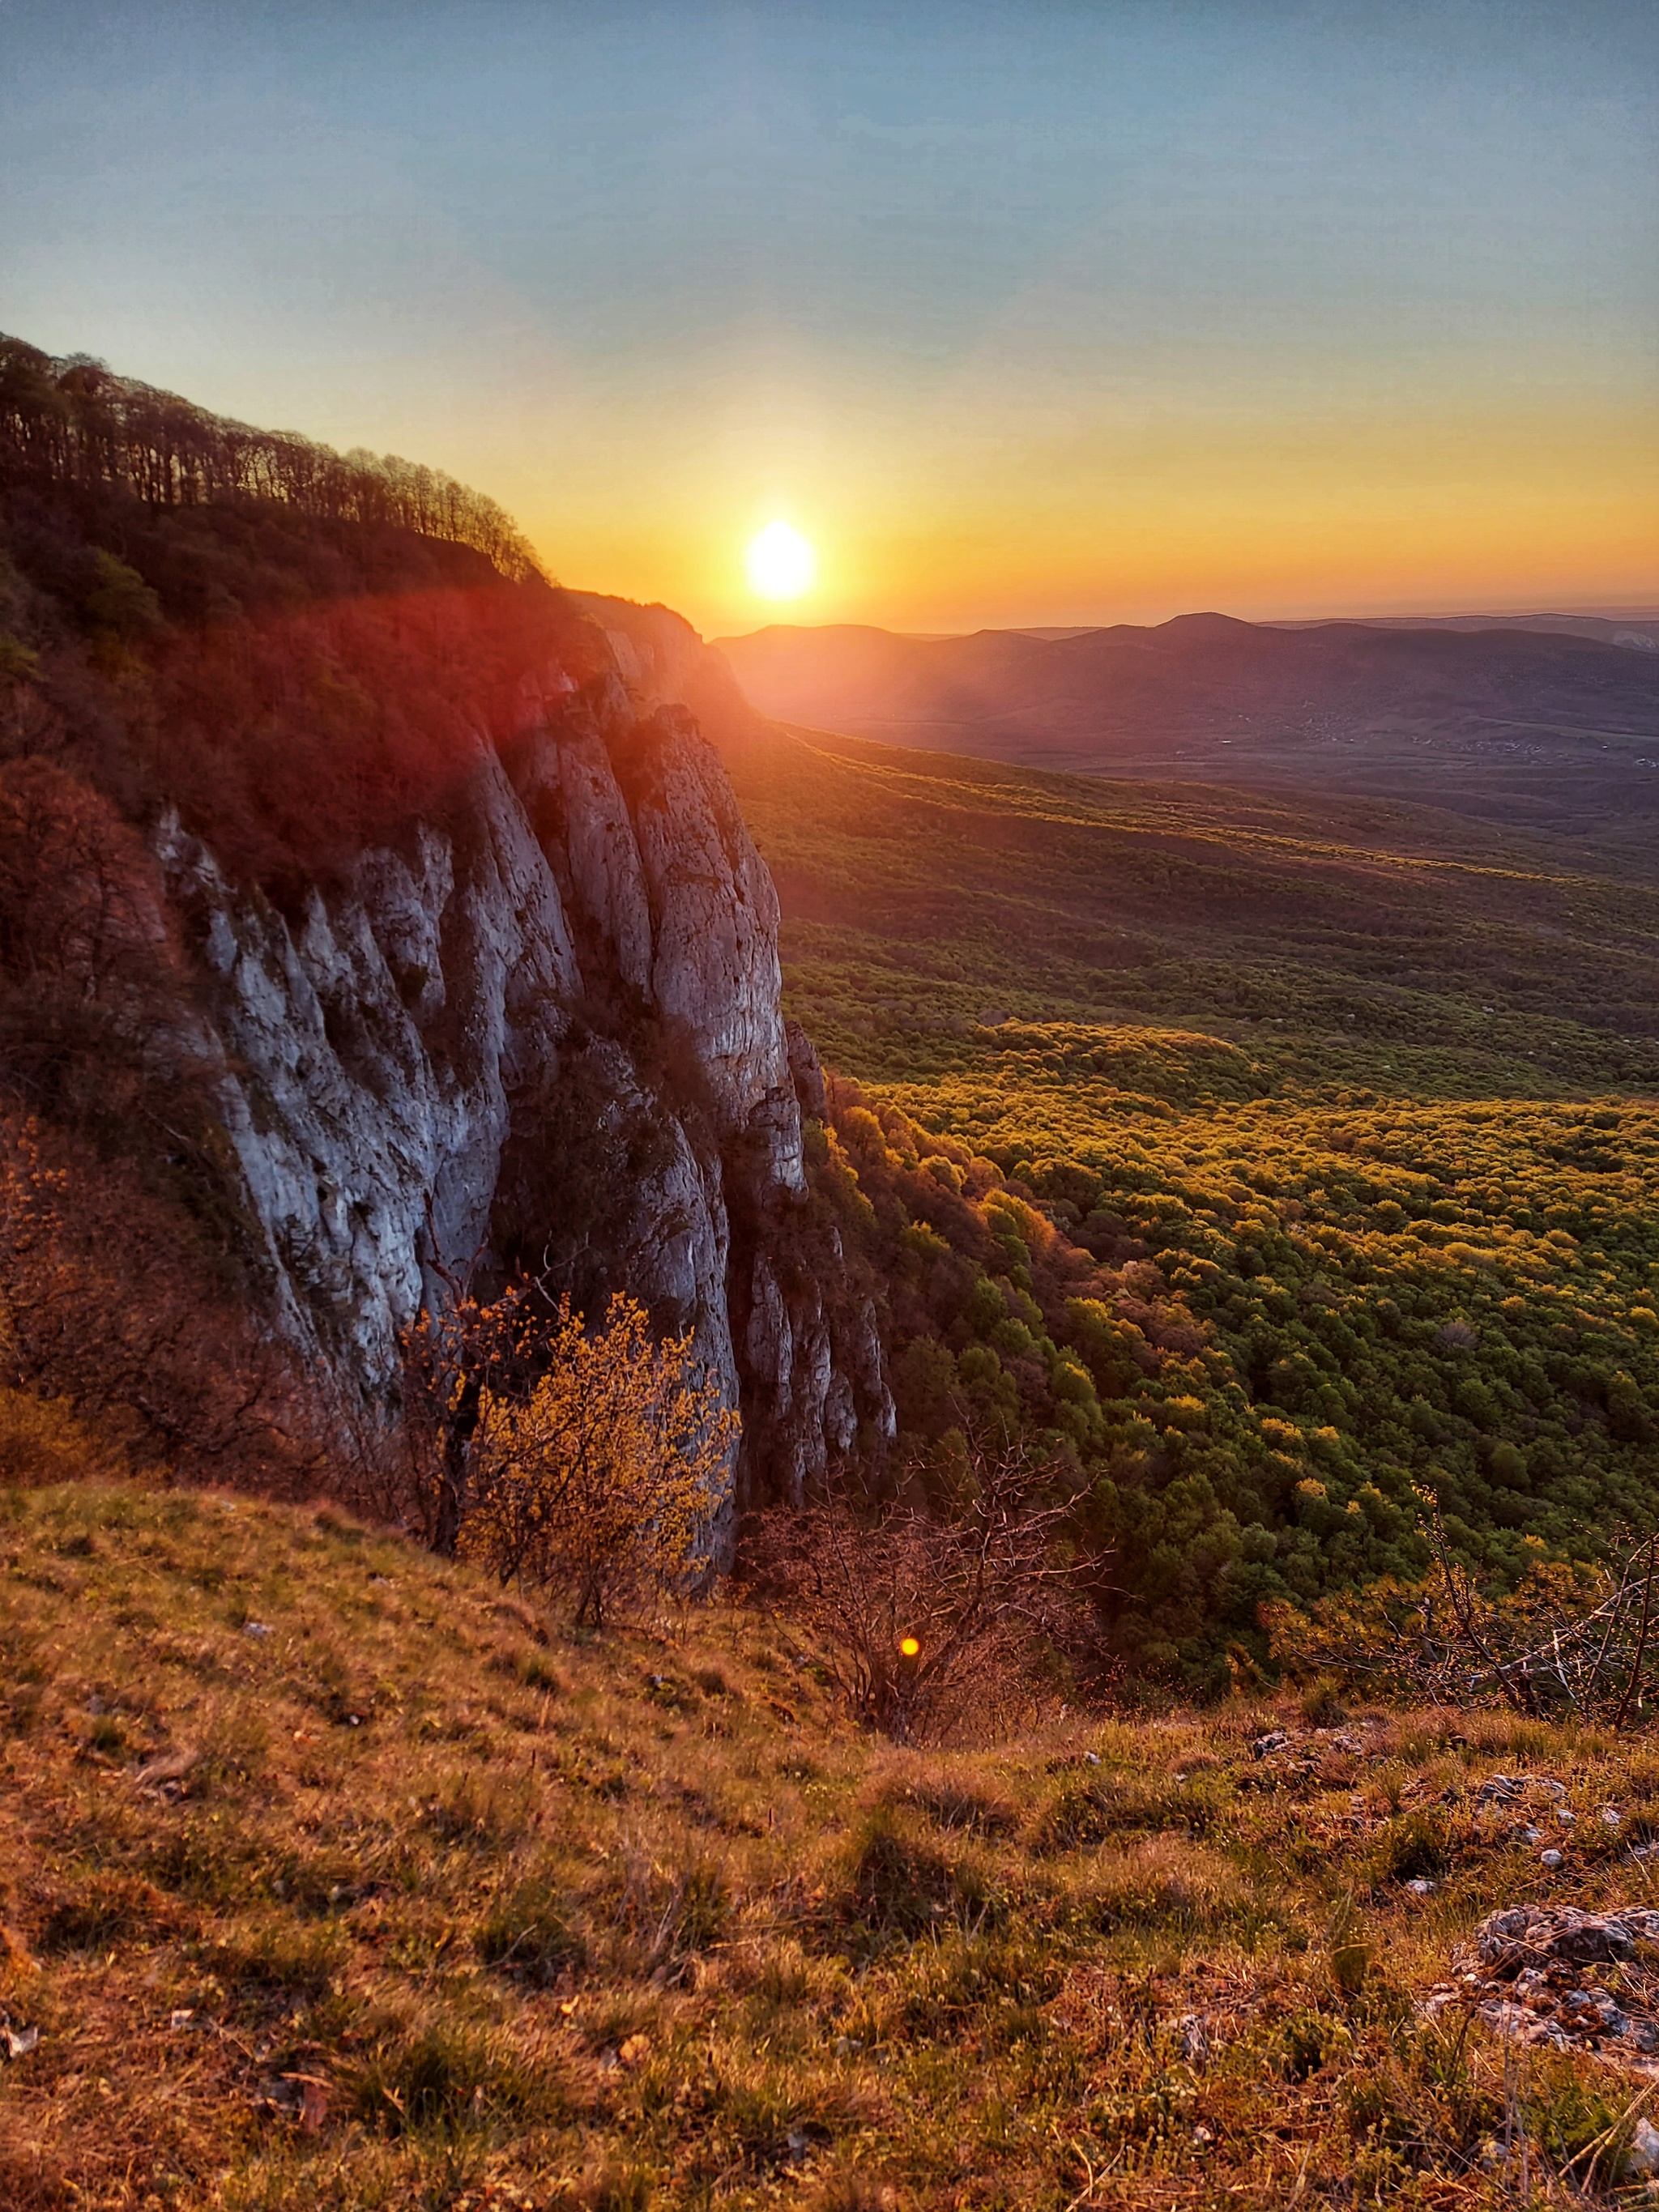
[[542, 1027]]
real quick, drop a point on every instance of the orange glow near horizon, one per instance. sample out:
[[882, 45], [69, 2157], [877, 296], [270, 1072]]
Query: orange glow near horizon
[[1022, 316], [1263, 519]]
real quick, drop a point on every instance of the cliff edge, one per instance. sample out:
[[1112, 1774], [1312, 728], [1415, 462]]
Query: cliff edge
[[541, 1027]]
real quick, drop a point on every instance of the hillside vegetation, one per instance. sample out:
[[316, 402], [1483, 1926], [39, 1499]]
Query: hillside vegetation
[[1398, 946], [278, 649], [75, 424], [331, 1877], [1332, 1154], [293, 647]]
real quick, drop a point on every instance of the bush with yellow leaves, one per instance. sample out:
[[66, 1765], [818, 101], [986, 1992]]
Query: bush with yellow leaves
[[601, 1481]]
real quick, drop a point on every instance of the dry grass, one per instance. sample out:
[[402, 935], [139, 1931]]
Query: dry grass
[[331, 1882]]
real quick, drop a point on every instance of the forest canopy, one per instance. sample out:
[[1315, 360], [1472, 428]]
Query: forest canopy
[[74, 422]]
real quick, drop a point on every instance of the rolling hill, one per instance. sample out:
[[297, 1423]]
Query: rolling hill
[[1516, 725], [1635, 630]]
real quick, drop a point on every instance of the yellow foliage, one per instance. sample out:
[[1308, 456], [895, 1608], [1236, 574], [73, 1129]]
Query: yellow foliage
[[1185, 1412], [602, 1482], [41, 1441]]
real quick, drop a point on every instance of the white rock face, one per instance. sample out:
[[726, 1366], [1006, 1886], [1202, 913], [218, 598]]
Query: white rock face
[[546, 1027], [714, 915]]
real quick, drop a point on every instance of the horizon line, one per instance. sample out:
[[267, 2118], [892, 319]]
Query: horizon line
[[1058, 630]]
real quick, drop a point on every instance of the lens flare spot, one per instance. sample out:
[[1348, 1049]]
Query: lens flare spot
[[909, 1646]]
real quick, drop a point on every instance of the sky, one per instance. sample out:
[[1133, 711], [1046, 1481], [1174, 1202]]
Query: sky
[[1073, 310]]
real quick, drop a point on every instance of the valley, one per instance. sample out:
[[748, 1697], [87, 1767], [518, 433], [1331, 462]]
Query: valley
[[1519, 728], [1354, 1106]]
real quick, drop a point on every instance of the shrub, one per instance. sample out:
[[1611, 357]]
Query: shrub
[[1579, 1639], [116, 1340], [599, 1483], [576, 1459], [42, 1441], [918, 1614]]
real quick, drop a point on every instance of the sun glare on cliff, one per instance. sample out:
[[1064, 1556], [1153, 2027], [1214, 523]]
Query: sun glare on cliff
[[782, 565]]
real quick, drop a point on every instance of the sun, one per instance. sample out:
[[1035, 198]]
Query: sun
[[781, 564]]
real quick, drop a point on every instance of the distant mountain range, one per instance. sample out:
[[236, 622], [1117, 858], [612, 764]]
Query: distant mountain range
[[1551, 721], [1638, 629]]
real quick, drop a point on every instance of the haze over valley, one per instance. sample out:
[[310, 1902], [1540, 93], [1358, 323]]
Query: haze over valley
[[1525, 726]]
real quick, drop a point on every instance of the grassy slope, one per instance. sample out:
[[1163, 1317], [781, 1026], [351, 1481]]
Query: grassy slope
[[644, 1921], [1334, 943]]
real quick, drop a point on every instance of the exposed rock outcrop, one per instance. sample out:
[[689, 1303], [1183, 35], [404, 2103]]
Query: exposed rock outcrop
[[1536, 1972], [806, 1071], [544, 1027]]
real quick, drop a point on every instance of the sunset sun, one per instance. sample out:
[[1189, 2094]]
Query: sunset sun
[[782, 565]]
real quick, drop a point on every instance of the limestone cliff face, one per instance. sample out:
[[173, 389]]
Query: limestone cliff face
[[543, 1028]]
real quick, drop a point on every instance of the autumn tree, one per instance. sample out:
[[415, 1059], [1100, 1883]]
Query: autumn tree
[[458, 1352], [1568, 1639]]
